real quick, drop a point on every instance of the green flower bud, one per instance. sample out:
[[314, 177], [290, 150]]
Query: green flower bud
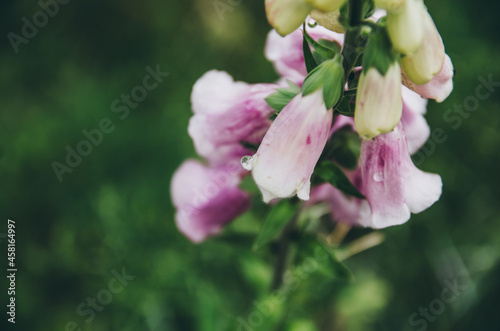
[[379, 103], [326, 5], [394, 6], [287, 15], [328, 20], [406, 27]]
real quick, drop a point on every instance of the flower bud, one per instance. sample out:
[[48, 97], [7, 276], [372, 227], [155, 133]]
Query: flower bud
[[378, 102], [439, 88], [406, 27], [326, 5], [285, 160], [427, 61], [287, 15], [328, 20], [393, 6]]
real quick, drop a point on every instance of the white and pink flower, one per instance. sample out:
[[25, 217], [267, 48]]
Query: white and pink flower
[[285, 160]]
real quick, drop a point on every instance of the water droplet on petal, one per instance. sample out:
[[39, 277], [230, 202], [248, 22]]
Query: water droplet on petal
[[378, 176], [247, 162]]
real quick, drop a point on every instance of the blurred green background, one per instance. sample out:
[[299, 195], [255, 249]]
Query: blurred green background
[[113, 211]]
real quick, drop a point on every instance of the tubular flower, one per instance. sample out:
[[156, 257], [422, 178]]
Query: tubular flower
[[206, 199], [427, 61], [326, 5], [285, 160], [378, 102], [391, 183], [287, 15], [227, 113], [394, 6], [439, 88], [406, 27]]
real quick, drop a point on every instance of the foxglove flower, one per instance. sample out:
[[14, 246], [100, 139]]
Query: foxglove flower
[[394, 6], [378, 101], [406, 26], [227, 113], [206, 199], [329, 20], [287, 15], [427, 61], [327, 5], [439, 88], [285, 160], [391, 183]]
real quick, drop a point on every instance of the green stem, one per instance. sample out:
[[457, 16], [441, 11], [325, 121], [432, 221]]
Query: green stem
[[283, 254], [352, 42]]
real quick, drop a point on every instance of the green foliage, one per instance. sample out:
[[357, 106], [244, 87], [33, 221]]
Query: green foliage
[[378, 52], [282, 96], [281, 214]]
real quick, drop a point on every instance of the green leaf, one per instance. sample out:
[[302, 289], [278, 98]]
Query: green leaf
[[279, 99], [368, 8], [332, 174], [326, 50], [333, 83], [330, 44], [309, 59], [330, 76], [280, 215], [378, 52], [313, 81]]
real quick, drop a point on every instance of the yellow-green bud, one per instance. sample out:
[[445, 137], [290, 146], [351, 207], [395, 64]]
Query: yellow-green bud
[[287, 15], [406, 27], [379, 103], [427, 61]]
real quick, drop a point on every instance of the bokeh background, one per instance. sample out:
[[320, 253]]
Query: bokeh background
[[113, 211]]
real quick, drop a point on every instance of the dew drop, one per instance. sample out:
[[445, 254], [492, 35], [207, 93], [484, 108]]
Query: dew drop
[[247, 162], [378, 177]]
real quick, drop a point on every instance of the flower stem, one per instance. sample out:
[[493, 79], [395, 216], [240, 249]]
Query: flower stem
[[283, 254], [353, 42]]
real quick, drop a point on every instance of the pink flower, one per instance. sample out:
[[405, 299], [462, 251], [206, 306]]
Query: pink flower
[[439, 88], [286, 52], [427, 61], [227, 113], [206, 199], [285, 160], [391, 183]]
